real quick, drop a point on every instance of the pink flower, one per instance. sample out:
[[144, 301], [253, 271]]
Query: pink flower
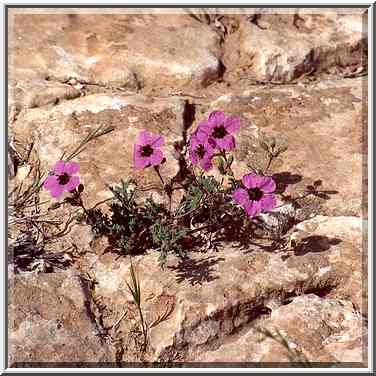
[[146, 152], [201, 150], [221, 129], [62, 178], [257, 195]]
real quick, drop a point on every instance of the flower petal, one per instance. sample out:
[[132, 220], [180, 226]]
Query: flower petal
[[193, 156], [253, 208], [268, 202], [59, 168], [267, 184], [50, 182], [226, 143], [57, 191], [210, 144], [203, 130], [157, 140], [241, 197], [217, 118], [156, 158], [232, 124], [139, 162], [145, 138], [206, 164], [73, 183], [71, 168], [250, 180], [194, 141]]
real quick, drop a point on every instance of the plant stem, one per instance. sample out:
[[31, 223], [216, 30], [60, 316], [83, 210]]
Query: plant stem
[[203, 197], [91, 136], [228, 167], [201, 228], [156, 168], [167, 188], [144, 332], [271, 157], [101, 202], [200, 185], [83, 207], [77, 195]]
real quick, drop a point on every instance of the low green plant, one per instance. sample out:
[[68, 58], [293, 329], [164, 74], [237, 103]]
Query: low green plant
[[135, 289], [219, 204]]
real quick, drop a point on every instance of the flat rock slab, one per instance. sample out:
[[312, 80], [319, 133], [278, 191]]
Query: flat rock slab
[[325, 128], [49, 322], [285, 47], [324, 125], [315, 330], [197, 303], [108, 159], [37, 93], [112, 50]]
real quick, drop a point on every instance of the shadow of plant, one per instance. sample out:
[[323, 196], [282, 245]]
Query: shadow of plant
[[196, 271], [324, 194], [284, 179], [205, 219], [27, 255], [315, 244]]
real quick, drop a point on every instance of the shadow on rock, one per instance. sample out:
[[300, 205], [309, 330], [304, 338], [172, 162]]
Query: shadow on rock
[[315, 244], [324, 194], [196, 271], [284, 179]]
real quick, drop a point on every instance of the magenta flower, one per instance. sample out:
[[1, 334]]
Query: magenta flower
[[146, 152], [62, 178], [201, 150], [221, 129], [257, 195]]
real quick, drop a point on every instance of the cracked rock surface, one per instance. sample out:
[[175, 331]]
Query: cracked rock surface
[[300, 77]]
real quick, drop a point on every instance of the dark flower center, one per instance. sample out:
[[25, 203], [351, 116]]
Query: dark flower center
[[146, 151], [63, 179], [219, 132], [255, 194], [200, 151]]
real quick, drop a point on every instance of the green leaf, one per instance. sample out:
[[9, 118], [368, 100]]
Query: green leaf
[[270, 141], [230, 160], [282, 149], [264, 146]]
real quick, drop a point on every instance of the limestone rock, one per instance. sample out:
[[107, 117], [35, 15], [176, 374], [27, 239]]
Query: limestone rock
[[109, 159], [284, 47], [206, 299], [324, 127], [112, 50], [37, 93], [49, 322], [316, 330]]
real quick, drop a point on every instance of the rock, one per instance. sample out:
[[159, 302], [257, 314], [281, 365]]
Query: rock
[[279, 220], [37, 93], [108, 159], [351, 232], [50, 322], [324, 127], [111, 50], [315, 330], [284, 47], [201, 301]]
